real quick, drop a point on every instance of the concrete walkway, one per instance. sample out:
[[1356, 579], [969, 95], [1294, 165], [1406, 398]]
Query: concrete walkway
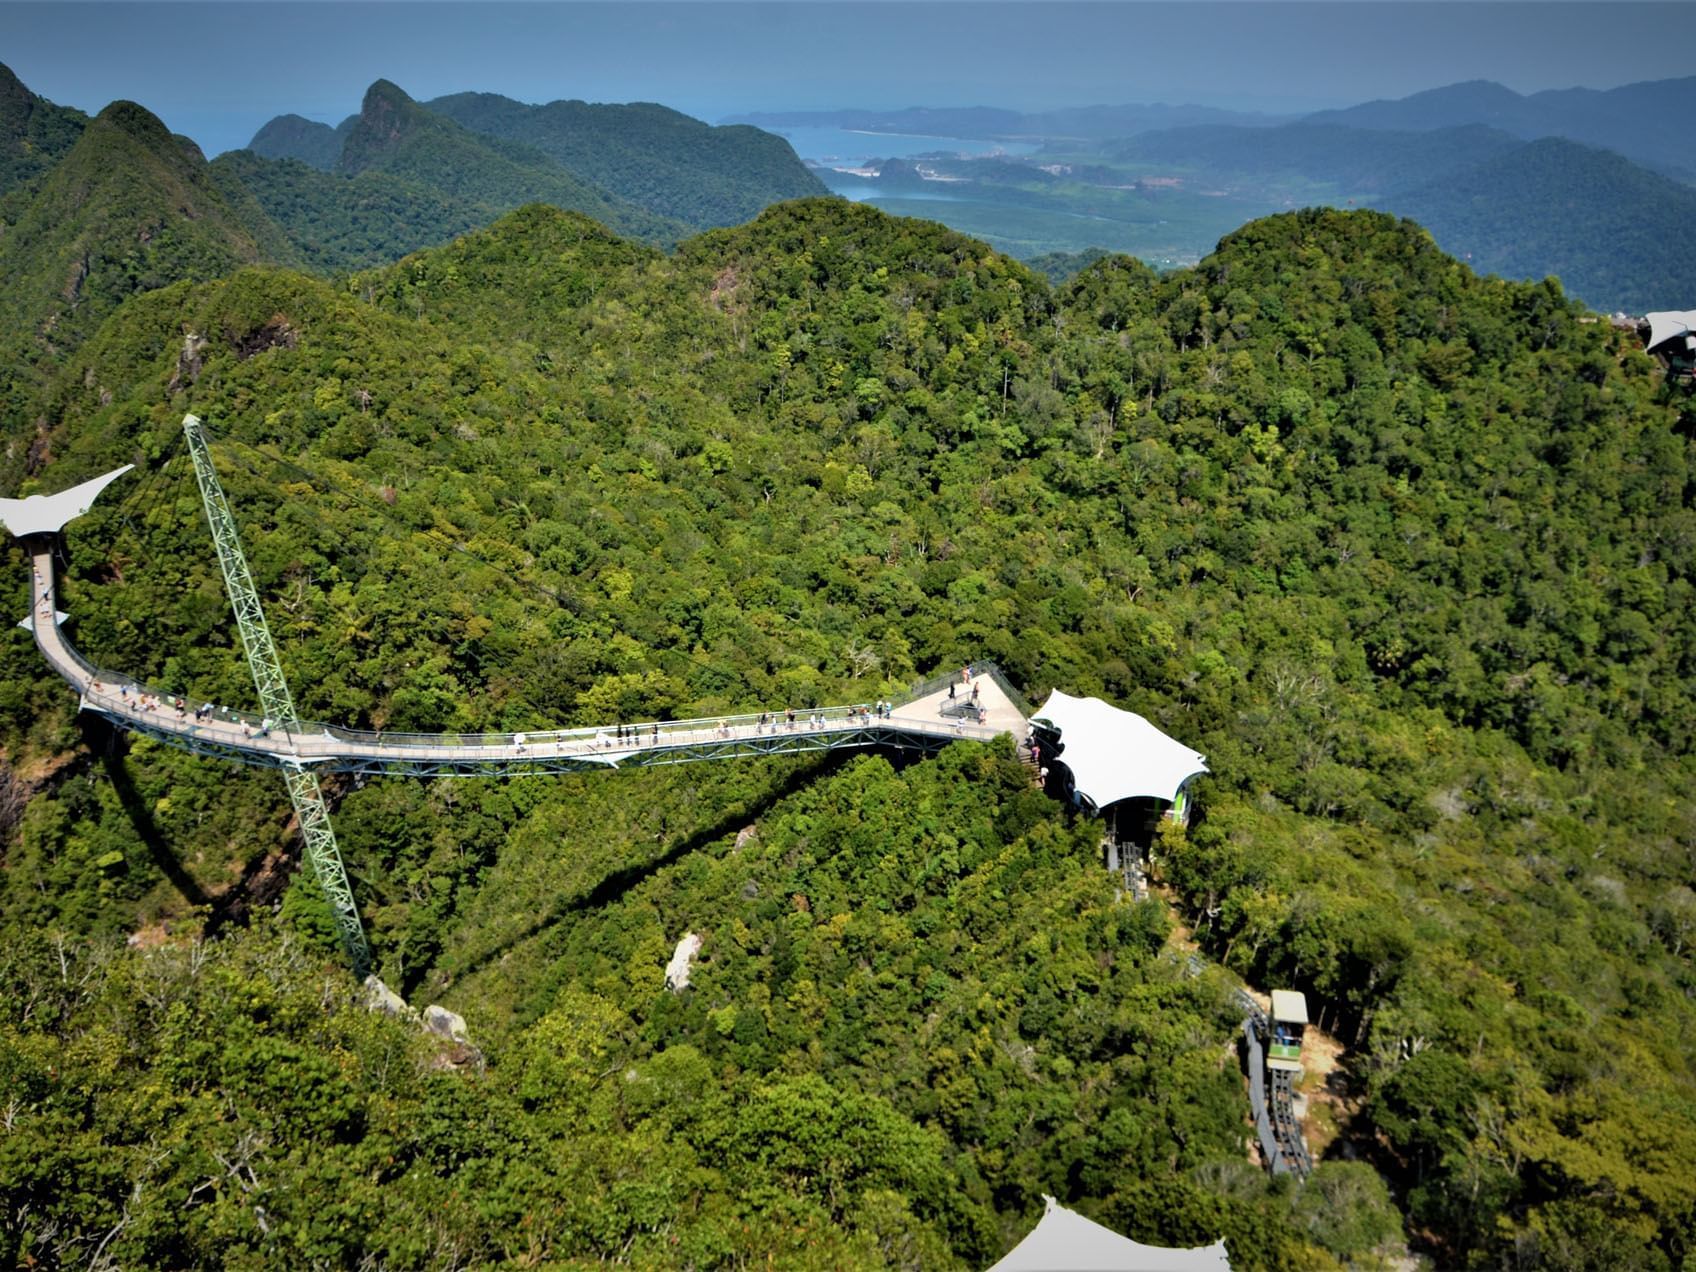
[[244, 736]]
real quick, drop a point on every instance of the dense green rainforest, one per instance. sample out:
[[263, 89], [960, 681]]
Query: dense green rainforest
[[1408, 553]]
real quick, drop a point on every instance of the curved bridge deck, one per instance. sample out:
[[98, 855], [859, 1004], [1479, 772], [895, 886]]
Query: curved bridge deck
[[917, 723]]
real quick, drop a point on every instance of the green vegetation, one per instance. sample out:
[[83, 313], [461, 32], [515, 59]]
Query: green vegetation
[[34, 133], [1612, 232], [400, 176], [127, 210], [1168, 228], [1062, 267], [339, 223], [395, 135], [657, 158], [1409, 554], [789, 1106]]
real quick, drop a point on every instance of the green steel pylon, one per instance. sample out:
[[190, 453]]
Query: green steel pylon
[[277, 703]]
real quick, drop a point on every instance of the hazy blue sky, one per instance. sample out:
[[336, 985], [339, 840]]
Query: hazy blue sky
[[216, 71]]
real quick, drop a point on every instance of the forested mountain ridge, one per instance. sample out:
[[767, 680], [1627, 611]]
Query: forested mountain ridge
[[1633, 119], [128, 208], [649, 155], [656, 157], [1406, 552], [338, 223], [395, 135], [1606, 227], [33, 132]]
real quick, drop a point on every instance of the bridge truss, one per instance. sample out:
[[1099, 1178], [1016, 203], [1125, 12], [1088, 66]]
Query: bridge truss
[[313, 814]]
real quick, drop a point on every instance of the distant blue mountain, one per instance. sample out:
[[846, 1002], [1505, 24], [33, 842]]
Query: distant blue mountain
[[1359, 161], [1614, 233], [1087, 123], [1649, 122]]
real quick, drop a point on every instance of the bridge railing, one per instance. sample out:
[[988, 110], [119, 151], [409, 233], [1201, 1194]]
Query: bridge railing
[[123, 696], [645, 733]]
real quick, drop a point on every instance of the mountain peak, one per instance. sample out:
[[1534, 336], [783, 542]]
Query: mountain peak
[[384, 94], [17, 103], [137, 121], [386, 117], [296, 137], [34, 132], [11, 87], [129, 207]]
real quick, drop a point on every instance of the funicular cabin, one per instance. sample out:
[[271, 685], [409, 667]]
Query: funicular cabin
[[1284, 1030]]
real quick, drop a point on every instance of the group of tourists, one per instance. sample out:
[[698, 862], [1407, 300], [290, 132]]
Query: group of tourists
[[771, 722], [624, 735], [134, 697]]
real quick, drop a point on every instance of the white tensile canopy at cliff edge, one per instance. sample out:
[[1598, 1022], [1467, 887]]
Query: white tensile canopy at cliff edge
[[1669, 324], [1114, 754], [47, 514], [1065, 1240]]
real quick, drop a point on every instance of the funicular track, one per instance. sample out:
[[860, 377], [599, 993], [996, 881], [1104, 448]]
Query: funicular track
[[1272, 1099]]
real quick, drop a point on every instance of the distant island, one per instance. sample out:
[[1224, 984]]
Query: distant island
[[1481, 166]]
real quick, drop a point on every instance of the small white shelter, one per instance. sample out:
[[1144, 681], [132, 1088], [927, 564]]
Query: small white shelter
[[1064, 1241], [1115, 754]]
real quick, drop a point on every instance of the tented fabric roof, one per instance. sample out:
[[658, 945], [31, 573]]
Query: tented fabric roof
[[1116, 754], [1668, 324], [45, 514], [1064, 1241]]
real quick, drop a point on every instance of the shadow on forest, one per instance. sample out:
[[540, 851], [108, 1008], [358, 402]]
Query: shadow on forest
[[623, 880], [259, 882], [104, 741]]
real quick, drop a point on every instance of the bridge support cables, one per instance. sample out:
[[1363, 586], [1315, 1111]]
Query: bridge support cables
[[322, 851]]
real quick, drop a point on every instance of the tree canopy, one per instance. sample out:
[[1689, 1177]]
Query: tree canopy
[[1407, 553]]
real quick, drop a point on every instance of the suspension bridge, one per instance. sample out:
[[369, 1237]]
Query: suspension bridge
[[976, 702]]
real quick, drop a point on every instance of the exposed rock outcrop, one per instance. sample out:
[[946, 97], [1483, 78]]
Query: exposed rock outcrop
[[682, 960]]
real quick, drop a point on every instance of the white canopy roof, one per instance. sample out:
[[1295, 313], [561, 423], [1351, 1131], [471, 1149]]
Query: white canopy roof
[[1116, 754], [1667, 324], [45, 514], [1064, 1241]]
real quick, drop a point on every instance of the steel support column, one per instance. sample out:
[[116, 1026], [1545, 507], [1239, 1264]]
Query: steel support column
[[322, 852]]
